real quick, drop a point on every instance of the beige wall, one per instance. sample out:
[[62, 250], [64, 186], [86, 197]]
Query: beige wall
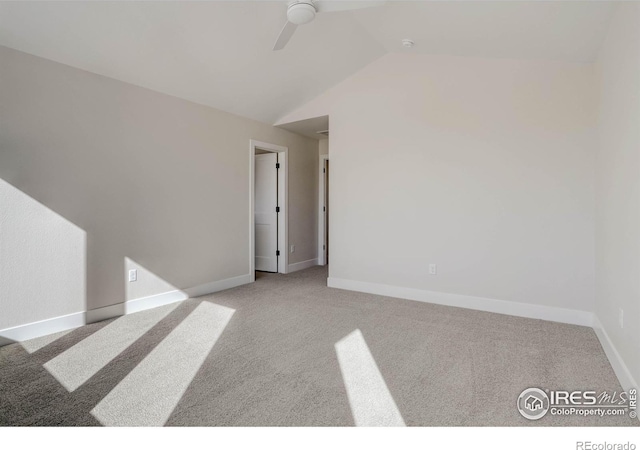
[[147, 176], [483, 167], [323, 146], [618, 185]]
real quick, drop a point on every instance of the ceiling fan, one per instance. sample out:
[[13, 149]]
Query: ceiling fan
[[300, 12]]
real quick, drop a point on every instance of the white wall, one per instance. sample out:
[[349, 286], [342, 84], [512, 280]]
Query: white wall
[[147, 176], [618, 185], [484, 167], [42, 261]]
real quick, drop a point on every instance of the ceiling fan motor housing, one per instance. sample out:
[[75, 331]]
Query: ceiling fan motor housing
[[300, 13]]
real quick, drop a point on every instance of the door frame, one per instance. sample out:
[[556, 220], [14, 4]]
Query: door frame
[[322, 252], [283, 203]]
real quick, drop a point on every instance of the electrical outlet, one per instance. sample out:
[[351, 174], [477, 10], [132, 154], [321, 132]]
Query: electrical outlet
[[433, 269], [133, 275], [621, 317], [292, 249]]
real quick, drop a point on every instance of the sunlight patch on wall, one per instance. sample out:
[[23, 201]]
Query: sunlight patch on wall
[[147, 283], [149, 393], [370, 400], [76, 365], [42, 263]]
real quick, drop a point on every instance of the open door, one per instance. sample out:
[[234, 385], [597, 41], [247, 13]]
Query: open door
[[266, 212], [323, 215]]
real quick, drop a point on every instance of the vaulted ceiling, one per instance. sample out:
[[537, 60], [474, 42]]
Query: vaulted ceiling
[[218, 53]]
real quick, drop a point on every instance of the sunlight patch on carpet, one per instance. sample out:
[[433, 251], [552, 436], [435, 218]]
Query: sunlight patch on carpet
[[149, 393], [35, 344], [370, 400], [76, 365]]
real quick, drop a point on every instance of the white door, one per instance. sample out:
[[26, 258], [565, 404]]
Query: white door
[[266, 216], [326, 211]]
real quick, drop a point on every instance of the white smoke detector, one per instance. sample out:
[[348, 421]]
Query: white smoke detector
[[408, 43]]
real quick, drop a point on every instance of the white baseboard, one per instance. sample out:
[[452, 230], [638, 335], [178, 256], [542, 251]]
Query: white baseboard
[[135, 305], [41, 328], [49, 326], [105, 313], [617, 363], [302, 265], [217, 286], [571, 316], [153, 301]]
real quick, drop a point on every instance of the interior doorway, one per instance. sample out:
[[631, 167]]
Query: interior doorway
[[268, 212], [323, 213]]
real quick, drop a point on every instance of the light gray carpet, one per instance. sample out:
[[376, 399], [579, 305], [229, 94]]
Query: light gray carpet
[[274, 362]]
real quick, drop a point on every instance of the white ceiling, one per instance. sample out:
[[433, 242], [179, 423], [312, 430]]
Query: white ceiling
[[309, 127], [219, 53], [559, 30]]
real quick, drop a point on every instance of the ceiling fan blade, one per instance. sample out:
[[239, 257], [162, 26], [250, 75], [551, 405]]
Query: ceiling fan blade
[[345, 5], [286, 33]]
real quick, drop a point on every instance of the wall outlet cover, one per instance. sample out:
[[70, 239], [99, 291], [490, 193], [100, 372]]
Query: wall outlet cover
[[133, 275]]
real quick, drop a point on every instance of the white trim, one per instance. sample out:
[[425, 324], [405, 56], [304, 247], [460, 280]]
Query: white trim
[[303, 265], [105, 313], [571, 316], [283, 202], [217, 286], [153, 301], [41, 328], [68, 322], [283, 217], [617, 363], [322, 255]]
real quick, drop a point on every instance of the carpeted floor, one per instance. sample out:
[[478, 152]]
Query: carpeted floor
[[288, 351]]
